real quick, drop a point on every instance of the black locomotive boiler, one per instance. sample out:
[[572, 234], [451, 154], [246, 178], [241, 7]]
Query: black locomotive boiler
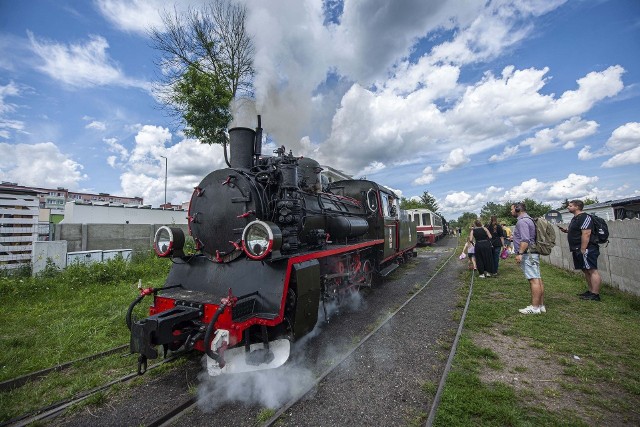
[[274, 240]]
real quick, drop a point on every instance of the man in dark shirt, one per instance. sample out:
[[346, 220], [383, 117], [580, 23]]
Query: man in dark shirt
[[585, 251]]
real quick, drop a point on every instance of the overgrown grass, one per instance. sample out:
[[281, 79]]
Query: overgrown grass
[[605, 336], [61, 316]]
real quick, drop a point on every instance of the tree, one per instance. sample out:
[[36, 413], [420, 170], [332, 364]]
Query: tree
[[204, 47], [589, 201], [411, 204], [586, 202], [466, 220], [534, 209], [203, 99], [429, 202], [491, 208]]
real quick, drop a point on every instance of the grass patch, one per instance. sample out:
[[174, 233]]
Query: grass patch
[[595, 345], [265, 414], [60, 316]]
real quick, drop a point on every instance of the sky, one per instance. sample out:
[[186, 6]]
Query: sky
[[473, 101]]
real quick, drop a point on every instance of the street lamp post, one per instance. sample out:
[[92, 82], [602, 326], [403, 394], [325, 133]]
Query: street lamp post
[[165, 179]]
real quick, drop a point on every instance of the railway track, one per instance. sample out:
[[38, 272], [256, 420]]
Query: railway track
[[172, 416], [22, 380], [51, 411]]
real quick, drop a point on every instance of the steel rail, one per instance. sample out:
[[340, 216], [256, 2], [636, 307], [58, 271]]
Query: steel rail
[[14, 383]]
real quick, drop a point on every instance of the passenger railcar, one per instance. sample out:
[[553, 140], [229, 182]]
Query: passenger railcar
[[274, 243], [429, 225]]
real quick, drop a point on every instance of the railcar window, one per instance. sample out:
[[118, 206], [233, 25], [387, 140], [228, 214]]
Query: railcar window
[[425, 219], [416, 219], [385, 203]]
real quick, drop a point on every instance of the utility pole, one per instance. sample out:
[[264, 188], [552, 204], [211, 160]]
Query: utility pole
[[165, 179]]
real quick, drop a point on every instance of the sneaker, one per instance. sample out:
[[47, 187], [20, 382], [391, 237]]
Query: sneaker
[[543, 309], [591, 297], [481, 276], [530, 310], [584, 294]]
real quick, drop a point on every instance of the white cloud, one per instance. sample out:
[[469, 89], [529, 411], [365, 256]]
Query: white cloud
[[630, 157], [586, 154], [427, 176], [81, 65], [7, 126], [456, 159], [624, 138], [40, 164], [566, 132], [573, 186], [623, 146], [96, 125], [115, 147], [188, 162], [134, 15], [371, 169], [506, 153], [551, 192]]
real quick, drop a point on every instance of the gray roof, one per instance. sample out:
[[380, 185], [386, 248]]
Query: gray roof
[[608, 203]]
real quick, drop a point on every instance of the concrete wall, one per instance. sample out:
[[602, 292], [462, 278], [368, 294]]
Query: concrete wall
[[91, 237], [90, 214], [619, 260]]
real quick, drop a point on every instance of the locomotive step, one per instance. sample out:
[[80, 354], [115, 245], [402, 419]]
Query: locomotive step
[[387, 270]]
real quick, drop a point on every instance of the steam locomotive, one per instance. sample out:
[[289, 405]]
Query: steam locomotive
[[275, 242]]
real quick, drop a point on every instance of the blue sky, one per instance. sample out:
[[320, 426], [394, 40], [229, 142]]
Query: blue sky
[[472, 101]]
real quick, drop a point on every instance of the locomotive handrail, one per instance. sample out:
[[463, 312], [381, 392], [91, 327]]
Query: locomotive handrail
[[143, 294]]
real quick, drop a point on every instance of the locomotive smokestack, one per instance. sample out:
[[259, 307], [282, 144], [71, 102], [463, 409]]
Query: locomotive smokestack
[[257, 148], [242, 142]]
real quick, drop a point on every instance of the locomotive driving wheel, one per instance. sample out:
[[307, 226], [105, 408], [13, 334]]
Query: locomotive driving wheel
[[367, 273]]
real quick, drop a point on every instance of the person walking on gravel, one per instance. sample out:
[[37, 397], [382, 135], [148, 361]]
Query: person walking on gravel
[[524, 234], [585, 252]]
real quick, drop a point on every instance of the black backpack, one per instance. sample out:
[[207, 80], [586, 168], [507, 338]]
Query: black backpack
[[599, 231]]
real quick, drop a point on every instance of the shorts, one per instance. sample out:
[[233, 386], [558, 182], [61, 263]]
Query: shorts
[[588, 261], [530, 265]]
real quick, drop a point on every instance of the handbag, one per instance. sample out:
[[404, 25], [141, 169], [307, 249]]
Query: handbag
[[504, 254]]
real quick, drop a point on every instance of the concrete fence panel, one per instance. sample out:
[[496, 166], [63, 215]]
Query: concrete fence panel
[[619, 259], [90, 237]]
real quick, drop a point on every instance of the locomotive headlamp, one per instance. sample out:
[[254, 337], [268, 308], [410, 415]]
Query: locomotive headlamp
[[169, 241], [260, 238]]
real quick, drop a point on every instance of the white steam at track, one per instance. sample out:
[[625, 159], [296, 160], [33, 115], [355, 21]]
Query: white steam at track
[[273, 388]]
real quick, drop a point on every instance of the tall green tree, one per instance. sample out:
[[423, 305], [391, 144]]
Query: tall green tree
[[205, 46], [203, 99], [429, 202], [534, 209], [491, 208], [411, 204], [466, 220]]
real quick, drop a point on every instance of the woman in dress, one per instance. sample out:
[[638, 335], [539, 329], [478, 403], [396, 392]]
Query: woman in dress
[[484, 250], [497, 241]]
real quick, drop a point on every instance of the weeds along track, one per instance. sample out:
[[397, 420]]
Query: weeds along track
[[52, 411], [172, 417], [22, 380]]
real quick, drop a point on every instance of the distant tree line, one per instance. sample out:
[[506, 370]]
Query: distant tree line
[[503, 212]]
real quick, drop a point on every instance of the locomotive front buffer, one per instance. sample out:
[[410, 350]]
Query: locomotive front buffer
[[184, 327]]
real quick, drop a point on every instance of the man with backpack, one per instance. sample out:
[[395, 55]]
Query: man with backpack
[[584, 248], [524, 240]]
